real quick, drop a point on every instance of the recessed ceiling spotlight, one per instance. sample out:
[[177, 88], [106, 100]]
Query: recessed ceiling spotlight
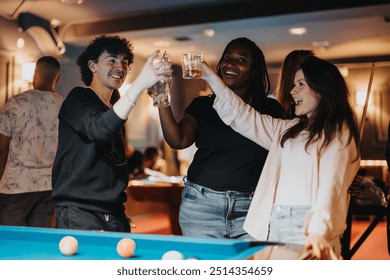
[[320, 44], [20, 43], [297, 30], [72, 2], [209, 32]]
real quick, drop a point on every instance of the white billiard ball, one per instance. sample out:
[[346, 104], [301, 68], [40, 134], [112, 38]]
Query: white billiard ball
[[68, 245], [172, 255]]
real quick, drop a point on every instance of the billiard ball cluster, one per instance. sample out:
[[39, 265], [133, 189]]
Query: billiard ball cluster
[[125, 247]]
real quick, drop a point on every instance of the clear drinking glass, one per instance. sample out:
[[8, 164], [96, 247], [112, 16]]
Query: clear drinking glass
[[191, 65], [160, 91]]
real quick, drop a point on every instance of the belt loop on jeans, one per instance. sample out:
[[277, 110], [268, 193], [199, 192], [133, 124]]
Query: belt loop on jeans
[[199, 188]]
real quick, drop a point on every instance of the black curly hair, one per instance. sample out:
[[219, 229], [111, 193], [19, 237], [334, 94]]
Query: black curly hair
[[112, 44]]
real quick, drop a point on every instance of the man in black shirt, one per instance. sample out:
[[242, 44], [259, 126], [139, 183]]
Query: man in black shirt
[[90, 173]]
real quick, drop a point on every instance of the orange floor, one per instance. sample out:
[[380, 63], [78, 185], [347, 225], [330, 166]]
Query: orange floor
[[374, 247], [152, 224]]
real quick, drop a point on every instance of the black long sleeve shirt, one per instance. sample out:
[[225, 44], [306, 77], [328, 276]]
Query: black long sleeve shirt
[[90, 169]]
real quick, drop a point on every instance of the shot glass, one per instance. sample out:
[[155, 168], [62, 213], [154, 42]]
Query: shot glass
[[160, 90], [191, 65]]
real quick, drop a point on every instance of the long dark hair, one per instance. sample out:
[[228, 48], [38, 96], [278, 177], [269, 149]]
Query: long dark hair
[[334, 109], [260, 83], [289, 67]]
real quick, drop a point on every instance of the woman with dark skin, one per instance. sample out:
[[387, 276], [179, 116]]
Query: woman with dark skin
[[226, 167]]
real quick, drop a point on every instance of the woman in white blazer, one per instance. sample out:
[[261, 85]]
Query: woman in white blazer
[[302, 195]]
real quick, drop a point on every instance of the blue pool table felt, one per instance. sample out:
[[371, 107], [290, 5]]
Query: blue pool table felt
[[27, 243]]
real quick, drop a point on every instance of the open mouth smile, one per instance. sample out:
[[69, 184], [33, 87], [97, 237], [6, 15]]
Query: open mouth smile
[[298, 101], [117, 76], [230, 72]]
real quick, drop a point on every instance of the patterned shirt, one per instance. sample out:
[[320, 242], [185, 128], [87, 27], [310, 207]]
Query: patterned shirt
[[31, 120]]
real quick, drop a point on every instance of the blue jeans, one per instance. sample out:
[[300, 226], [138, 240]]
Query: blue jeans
[[286, 224], [217, 214]]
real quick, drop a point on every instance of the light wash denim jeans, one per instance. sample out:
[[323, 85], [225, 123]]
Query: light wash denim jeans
[[286, 225], [217, 214]]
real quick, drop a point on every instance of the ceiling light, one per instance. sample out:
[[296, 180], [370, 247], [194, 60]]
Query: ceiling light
[[209, 32], [20, 43], [297, 30]]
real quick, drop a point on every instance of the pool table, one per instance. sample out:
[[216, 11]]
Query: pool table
[[27, 243]]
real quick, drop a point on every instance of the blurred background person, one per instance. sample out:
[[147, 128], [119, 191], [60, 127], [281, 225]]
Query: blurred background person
[[28, 142], [153, 160], [135, 160], [142, 165]]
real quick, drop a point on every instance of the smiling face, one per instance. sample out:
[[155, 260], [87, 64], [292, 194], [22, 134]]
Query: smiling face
[[109, 71], [236, 68], [306, 100]]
